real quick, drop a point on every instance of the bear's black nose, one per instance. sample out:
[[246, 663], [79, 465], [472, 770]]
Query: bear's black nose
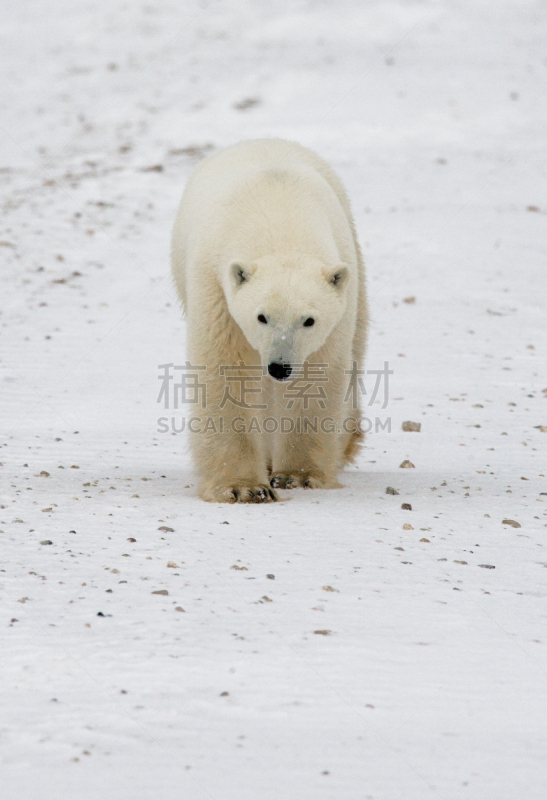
[[279, 371]]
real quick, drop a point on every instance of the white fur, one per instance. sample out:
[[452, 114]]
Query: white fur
[[265, 229]]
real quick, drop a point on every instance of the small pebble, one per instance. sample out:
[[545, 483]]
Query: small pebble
[[412, 426]]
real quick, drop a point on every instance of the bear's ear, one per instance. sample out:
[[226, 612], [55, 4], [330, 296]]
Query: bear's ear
[[338, 276], [240, 272]]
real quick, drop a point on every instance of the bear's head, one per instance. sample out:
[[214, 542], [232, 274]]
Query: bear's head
[[286, 306]]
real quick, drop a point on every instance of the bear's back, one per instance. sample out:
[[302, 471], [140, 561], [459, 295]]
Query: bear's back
[[207, 210], [274, 155]]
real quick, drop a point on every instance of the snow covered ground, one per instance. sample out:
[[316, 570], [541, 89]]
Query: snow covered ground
[[381, 661]]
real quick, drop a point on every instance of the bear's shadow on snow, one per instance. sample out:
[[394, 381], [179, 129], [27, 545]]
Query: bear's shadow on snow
[[359, 483], [372, 484]]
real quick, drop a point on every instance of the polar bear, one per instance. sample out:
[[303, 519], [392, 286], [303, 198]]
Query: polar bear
[[267, 265]]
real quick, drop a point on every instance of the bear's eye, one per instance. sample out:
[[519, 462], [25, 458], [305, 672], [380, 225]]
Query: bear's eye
[[309, 322], [261, 318], [335, 280]]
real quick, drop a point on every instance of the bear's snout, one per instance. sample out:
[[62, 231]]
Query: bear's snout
[[280, 372]]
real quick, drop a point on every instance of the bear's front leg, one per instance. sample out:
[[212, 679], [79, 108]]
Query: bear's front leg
[[309, 460], [232, 468], [228, 450]]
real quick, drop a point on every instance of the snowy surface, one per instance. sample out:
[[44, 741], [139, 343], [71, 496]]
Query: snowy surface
[[429, 678]]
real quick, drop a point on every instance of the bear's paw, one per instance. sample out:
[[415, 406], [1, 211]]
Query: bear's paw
[[286, 480], [260, 493]]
